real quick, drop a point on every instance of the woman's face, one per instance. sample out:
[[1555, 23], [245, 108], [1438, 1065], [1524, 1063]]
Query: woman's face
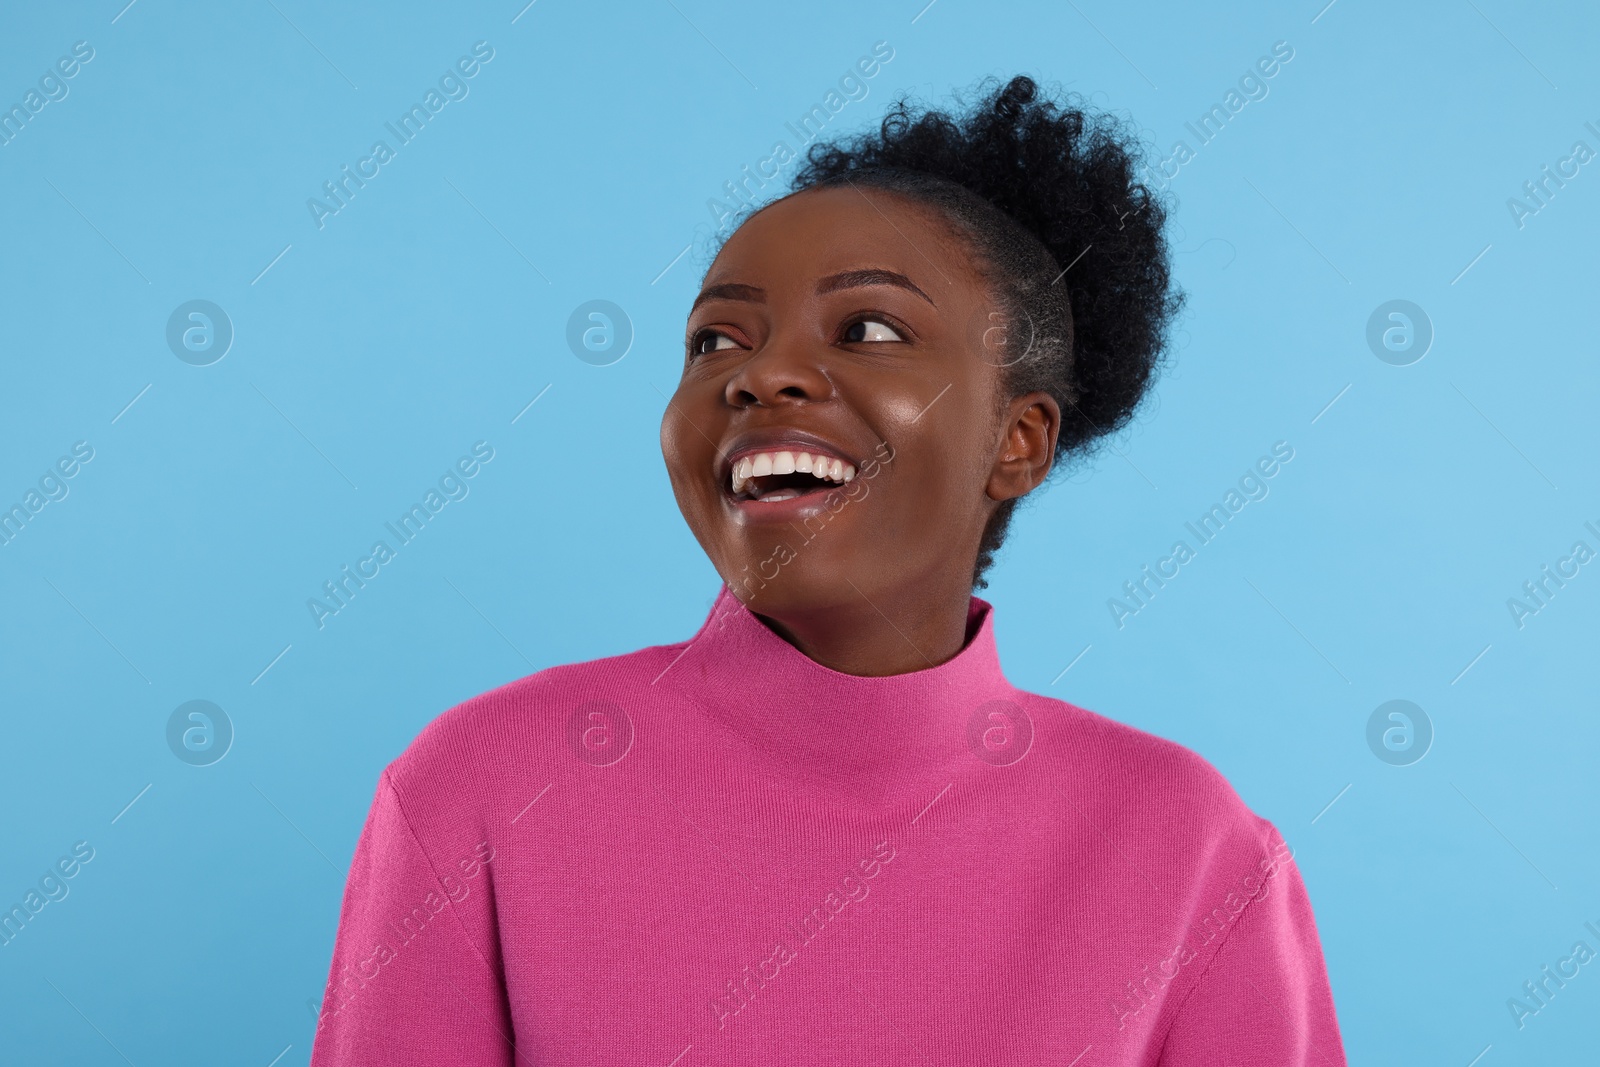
[[846, 324]]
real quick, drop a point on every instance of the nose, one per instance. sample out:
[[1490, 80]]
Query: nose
[[781, 371]]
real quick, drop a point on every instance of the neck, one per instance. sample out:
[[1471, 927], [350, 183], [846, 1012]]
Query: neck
[[875, 634]]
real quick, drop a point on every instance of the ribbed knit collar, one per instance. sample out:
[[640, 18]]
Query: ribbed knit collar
[[871, 735]]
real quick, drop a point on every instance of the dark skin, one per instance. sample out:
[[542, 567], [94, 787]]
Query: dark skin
[[893, 378]]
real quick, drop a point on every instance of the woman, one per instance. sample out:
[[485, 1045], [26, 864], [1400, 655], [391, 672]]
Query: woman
[[826, 829]]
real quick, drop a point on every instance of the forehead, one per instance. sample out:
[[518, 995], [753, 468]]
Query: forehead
[[821, 231]]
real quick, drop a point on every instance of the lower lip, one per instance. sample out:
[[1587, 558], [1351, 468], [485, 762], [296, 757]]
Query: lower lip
[[795, 507]]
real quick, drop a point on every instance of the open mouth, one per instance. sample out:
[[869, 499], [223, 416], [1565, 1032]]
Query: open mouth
[[784, 475]]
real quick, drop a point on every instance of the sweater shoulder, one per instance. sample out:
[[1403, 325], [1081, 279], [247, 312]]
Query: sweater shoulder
[[1148, 778], [499, 730]]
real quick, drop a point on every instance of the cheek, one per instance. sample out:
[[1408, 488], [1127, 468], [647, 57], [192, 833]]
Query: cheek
[[678, 437], [918, 491], [950, 446], [668, 438]]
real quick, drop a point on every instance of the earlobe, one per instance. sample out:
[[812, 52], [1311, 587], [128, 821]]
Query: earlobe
[[1028, 448]]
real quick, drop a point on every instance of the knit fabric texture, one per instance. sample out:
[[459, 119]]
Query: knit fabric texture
[[720, 851]]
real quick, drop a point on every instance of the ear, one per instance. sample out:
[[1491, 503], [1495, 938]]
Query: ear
[[1028, 446]]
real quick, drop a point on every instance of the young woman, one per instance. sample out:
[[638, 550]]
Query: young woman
[[826, 829]]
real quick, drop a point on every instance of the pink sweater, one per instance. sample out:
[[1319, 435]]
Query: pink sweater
[[722, 852]]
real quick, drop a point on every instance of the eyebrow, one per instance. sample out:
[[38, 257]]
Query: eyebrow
[[849, 279]]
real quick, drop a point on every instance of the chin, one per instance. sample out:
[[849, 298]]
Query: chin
[[787, 582]]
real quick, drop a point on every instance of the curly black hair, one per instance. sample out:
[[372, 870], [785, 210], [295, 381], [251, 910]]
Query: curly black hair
[[1069, 237]]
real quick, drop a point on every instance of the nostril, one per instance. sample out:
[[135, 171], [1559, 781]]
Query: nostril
[[778, 374]]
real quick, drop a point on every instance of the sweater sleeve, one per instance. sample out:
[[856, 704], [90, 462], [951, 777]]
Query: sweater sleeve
[[410, 980], [1264, 999]]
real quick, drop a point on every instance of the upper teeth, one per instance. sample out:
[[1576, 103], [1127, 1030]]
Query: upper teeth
[[760, 463]]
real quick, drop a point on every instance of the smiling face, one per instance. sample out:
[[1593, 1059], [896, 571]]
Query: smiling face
[[838, 331]]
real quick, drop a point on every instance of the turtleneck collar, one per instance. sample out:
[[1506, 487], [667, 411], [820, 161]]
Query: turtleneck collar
[[868, 735]]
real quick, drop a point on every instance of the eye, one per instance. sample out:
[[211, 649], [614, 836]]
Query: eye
[[865, 330], [699, 345]]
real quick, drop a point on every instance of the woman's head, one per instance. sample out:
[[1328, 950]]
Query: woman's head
[[951, 305]]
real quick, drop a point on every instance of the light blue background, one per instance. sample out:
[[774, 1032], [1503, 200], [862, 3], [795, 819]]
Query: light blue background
[[428, 313]]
